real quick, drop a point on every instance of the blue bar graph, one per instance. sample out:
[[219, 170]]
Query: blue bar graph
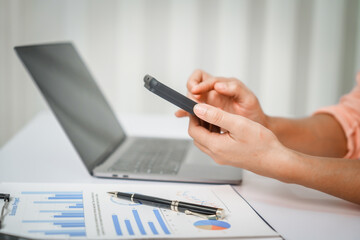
[[61, 211], [152, 227], [64, 218], [67, 225], [63, 223], [78, 205], [65, 193], [117, 225], [161, 221], [142, 223], [53, 221], [129, 227], [138, 222], [70, 215], [58, 202], [61, 196], [70, 233]]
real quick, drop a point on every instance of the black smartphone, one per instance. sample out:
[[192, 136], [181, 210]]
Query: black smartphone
[[169, 94], [175, 98]]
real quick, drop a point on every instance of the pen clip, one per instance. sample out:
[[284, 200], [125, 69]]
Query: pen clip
[[209, 217]]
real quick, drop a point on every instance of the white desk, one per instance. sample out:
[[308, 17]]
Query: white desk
[[42, 153]]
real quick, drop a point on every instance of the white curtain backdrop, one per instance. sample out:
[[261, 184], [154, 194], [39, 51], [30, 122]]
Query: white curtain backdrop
[[296, 55]]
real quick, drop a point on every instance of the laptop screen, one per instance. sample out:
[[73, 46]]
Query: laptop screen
[[74, 97]]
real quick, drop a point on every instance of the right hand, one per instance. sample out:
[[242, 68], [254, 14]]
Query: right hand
[[229, 94], [244, 143]]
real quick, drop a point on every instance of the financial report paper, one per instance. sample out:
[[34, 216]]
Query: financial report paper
[[58, 211]]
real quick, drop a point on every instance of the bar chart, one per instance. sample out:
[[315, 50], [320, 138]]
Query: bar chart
[[57, 213], [136, 224]]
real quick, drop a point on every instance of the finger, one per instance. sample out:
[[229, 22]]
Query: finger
[[197, 97], [181, 113], [235, 89], [216, 116], [203, 136], [211, 83], [204, 86], [196, 78], [193, 97]]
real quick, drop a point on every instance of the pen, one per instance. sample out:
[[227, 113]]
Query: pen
[[177, 206]]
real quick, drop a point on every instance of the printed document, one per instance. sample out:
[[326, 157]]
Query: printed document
[[58, 211]]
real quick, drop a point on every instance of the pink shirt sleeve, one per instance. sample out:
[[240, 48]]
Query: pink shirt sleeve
[[347, 113]]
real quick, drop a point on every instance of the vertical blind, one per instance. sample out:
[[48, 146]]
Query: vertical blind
[[295, 55]]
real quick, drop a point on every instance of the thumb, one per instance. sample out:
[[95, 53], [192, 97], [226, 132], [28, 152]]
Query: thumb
[[215, 116]]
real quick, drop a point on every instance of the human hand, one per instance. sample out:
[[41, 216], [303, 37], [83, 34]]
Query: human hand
[[245, 144], [229, 94]]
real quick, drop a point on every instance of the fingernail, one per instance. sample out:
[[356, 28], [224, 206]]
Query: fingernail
[[200, 109]]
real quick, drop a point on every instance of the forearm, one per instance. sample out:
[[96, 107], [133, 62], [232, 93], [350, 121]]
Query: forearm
[[338, 177], [318, 135]]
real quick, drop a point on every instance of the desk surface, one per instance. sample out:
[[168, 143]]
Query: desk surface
[[41, 152]]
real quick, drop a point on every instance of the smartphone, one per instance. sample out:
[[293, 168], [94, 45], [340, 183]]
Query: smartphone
[[176, 98], [169, 94]]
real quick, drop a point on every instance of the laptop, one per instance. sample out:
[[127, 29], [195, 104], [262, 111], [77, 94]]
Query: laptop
[[92, 127]]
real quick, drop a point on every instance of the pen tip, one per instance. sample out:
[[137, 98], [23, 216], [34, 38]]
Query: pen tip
[[111, 193]]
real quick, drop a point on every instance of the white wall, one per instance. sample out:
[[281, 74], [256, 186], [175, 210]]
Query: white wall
[[296, 55]]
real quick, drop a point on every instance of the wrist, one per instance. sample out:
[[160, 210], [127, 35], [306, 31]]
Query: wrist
[[285, 163], [278, 126], [267, 121], [271, 123]]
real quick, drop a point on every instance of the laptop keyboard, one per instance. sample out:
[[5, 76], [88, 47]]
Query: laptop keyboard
[[154, 156]]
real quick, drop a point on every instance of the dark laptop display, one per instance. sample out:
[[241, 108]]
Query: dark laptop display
[[75, 99]]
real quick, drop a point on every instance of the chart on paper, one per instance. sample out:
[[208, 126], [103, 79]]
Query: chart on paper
[[59, 211], [55, 213]]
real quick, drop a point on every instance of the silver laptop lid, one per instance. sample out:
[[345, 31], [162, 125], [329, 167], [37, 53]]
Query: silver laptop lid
[[75, 99]]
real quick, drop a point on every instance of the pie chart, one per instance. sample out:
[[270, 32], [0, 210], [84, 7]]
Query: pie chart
[[212, 225]]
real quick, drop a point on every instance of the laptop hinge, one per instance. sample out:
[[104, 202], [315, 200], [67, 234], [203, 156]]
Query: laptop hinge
[[103, 157]]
